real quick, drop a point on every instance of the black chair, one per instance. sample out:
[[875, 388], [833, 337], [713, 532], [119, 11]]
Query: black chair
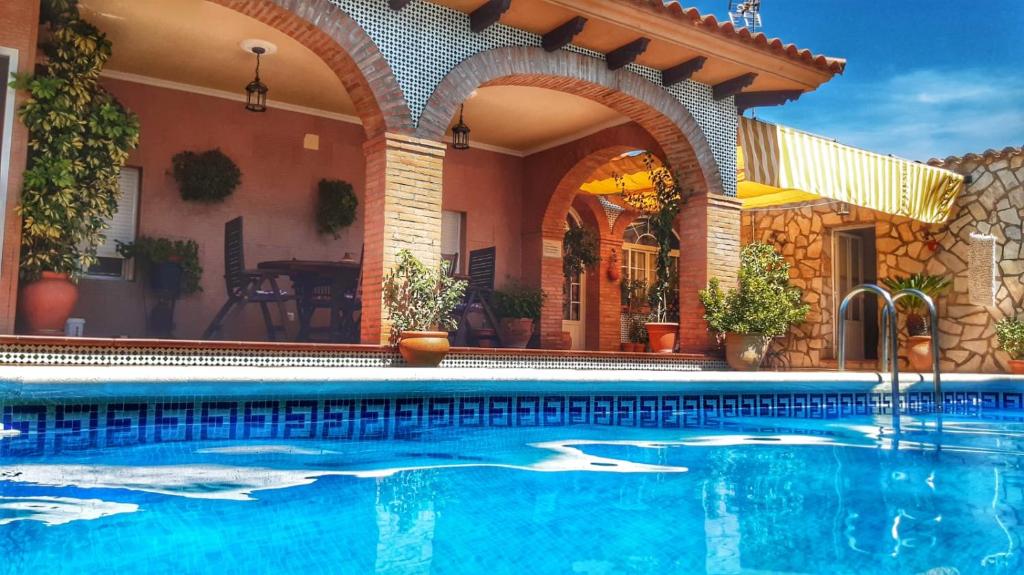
[[478, 293], [247, 286], [345, 326], [452, 261]]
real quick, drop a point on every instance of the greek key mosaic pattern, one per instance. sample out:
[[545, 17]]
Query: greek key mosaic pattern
[[424, 41], [57, 428], [28, 354]]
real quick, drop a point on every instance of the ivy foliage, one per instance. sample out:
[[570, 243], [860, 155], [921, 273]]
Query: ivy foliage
[[580, 250], [1010, 334], [335, 207], [419, 298], [209, 176], [149, 252], [764, 303], [79, 137]]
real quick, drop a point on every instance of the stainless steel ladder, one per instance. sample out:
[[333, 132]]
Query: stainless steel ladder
[[933, 316]]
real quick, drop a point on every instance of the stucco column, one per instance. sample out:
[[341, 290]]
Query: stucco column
[[402, 211], [19, 27], [709, 241]]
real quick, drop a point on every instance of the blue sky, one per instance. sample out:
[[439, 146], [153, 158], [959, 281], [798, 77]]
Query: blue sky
[[924, 78]]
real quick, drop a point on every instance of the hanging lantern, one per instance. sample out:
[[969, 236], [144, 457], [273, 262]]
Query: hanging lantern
[[256, 91], [460, 133]]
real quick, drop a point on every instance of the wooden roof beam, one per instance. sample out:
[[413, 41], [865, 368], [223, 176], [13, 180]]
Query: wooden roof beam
[[732, 87], [681, 72], [398, 4], [562, 36], [627, 53], [487, 14], [747, 100]]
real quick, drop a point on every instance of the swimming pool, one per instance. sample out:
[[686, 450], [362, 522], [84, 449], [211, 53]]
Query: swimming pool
[[537, 477]]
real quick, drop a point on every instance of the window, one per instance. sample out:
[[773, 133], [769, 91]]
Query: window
[[640, 252], [121, 227], [453, 237], [8, 64]]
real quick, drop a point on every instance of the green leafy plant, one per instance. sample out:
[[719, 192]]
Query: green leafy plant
[[1010, 334], [763, 303], [149, 252], [79, 137], [579, 250], [335, 206], [419, 298], [913, 306], [518, 301], [208, 176], [633, 294], [637, 329]]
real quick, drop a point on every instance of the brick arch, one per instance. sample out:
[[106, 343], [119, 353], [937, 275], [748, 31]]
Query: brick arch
[[343, 45], [646, 103]]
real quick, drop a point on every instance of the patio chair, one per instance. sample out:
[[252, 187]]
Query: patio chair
[[478, 294], [246, 286], [344, 328], [453, 262]]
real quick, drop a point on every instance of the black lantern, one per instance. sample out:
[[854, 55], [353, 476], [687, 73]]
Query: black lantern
[[256, 91], [460, 133]]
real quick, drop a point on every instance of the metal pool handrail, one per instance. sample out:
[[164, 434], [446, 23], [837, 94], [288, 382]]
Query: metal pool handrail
[[890, 347], [934, 317]]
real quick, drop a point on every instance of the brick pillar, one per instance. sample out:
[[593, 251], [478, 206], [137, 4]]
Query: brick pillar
[[19, 26], [402, 211], [609, 302], [709, 233], [551, 279]]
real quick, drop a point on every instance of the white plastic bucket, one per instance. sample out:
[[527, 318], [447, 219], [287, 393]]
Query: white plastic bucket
[[75, 327]]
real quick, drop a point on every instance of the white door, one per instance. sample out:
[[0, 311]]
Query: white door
[[574, 309], [849, 273]]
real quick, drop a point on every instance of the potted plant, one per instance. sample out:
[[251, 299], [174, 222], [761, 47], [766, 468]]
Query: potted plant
[[634, 294], [335, 207], [919, 344], [1010, 334], [518, 308], [661, 331], [762, 307], [79, 137], [171, 269], [420, 302], [637, 335], [209, 176]]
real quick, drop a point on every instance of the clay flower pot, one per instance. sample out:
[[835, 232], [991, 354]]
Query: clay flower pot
[[516, 331], [745, 351], [1017, 366], [47, 302], [640, 347], [423, 348], [919, 353], [566, 342], [662, 336], [625, 346]]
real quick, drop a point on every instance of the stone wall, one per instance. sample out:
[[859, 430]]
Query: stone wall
[[992, 204]]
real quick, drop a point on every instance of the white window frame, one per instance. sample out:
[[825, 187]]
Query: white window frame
[[6, 136], [126, 269]]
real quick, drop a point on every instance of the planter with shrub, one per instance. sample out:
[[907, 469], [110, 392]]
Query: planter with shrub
[[519, 309], [420, 302], [762, 307], [919, 344], [70, 192], [1010, 334], [171, 269]]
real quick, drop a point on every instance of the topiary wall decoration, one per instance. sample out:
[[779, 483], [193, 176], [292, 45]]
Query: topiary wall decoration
[[209, 176], [335, 207]]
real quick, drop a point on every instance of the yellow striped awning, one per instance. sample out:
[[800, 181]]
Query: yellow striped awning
[[779, 165]]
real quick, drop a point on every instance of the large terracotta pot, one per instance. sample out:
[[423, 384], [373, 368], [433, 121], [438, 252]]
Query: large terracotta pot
[[746, 351], [662, 336], [919, 353], [423, 348], [516, 331], [47, 302], [1017, 366]]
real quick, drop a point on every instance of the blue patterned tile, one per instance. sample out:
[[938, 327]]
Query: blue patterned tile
[[339, 418], [126, 423], [75, 427], [260, 419], [173, 421], [300, 419]]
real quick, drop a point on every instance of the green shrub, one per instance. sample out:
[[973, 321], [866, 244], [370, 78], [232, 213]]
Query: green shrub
[[518, 301], [1010, 333], [148, 252], [336, 205], [764, 303], [208, 176], [420, 299], [79, 137], [580, 250]]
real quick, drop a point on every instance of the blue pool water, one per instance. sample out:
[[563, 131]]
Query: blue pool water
[[591, 484]]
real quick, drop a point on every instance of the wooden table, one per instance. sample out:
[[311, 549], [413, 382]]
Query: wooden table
[[321, 284]]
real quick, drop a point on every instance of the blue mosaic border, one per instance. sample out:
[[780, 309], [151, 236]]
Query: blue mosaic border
[[56, 428]]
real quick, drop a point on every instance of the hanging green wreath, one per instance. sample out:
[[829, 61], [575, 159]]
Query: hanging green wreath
[[335, 207], [209, 176]]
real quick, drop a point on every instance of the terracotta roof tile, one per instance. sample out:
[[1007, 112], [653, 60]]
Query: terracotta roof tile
[[758, 39], [989, 155]]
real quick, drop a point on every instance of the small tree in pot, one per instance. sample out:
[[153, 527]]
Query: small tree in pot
[[519, 308], [1010, 334], [420, 301], [79, 138], [762, 307], [919, 346]]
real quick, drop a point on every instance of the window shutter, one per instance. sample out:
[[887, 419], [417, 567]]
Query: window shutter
[[122, 225], [451, 233]]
